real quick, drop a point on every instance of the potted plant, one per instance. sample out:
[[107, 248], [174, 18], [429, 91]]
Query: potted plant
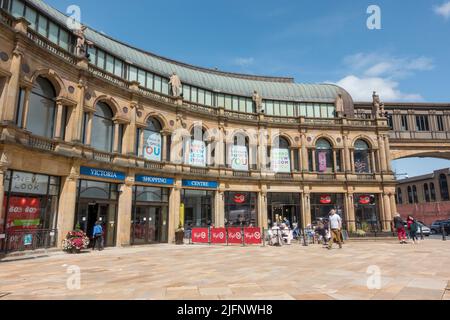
[[75, 242], [179, 235]]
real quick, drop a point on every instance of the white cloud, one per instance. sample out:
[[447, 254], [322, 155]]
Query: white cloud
[[244, 62], [381, 73], [443, 10], [361, 89]]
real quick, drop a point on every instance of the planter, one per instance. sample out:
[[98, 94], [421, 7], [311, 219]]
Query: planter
[[179, 237]]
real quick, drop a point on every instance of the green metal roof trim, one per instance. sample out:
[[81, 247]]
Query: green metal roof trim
[[275, 89]]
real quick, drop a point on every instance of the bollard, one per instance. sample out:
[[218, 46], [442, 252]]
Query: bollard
[[444, 236]]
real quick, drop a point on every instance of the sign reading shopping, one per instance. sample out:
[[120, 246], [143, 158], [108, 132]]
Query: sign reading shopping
[[101, 173], [239, 158], [154, 180], [280, 160], [152, 146], [197, 154]]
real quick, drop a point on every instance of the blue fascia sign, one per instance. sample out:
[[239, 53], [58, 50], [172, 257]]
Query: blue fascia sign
[[200, 184], [102, 173], [154, 180]]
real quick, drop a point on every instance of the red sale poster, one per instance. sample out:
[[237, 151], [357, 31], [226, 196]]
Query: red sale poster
[[218, 236], [200, 235], [235, 235], [252, 236], [23, 213]]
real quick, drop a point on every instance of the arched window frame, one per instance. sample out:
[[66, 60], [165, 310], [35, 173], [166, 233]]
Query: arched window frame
[[443, 185], [99, 117], [154, 125], [426, 192], [362, 157], [327, 148]]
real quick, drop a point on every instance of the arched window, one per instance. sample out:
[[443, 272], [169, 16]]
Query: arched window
[[362, 157], [197, 146], [324, 156], [426, 191], [399, 196], [151, 141], [410, 195], [102, 128], [416, 198], [432, 192], [280, 156], [444, 187], [42, 109], [239, 153]]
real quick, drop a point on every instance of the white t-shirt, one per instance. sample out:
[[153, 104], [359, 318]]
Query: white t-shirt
[[335, 221]]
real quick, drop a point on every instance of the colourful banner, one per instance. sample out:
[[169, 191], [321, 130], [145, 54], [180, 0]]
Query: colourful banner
[[235, 235], [152, 146], [23, 214], [239, 158], [200, 235], [280, 160], [197, 154], [252, 236], [322, 161], [218, 235]]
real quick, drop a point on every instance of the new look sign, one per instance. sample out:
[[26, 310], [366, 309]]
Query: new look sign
[[101, 173]]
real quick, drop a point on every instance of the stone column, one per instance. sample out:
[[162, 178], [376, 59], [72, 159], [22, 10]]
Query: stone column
[[393, 205], [350, 212], [334, 161], [382, 154], [164, 146], [59, 120], [352, 161], [219, 209], [89, 129], [124, 212], [314, 164], [220, 149], [306, 209], [8, 113], [79, 113], [388, 153], [387, 215], [373, 162], [347, 160], [67, 204], [116, 137], [304, 155], [262, 210], [26, 109], [292, 159], [174, 210], [130, 132]]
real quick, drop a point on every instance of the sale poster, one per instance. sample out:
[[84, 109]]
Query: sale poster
[[23, 213], [197, 154], [239, 158], [322, 161], [280, 160], [152, 146]]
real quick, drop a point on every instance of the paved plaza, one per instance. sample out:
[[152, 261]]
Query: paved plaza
[[201, 272]]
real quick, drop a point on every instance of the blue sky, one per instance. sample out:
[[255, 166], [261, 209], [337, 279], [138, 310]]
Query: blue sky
[[312, 41]]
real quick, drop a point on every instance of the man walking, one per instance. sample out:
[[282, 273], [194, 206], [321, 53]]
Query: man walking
[[97, 234], [335, 229]]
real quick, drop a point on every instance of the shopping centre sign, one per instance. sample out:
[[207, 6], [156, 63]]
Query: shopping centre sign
[[101, 173], [154, 180], [200, 184]]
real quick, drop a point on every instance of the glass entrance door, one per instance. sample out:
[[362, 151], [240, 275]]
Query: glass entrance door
[[149, 225], [90, 213]]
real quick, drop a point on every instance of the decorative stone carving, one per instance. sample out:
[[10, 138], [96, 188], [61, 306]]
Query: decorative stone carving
[[377, 106], [339, 106], [81, 49], [175, 83], [257, 99]]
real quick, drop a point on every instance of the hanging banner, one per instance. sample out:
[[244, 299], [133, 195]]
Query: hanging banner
[[235, 235], [152, 146], [23, 214], [322, 161], [200, 235], [239, 158], [218, 236], [252, 235], [197, 154], [280, 160]]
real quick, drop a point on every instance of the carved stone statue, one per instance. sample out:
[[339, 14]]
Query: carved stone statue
[[175, 83], [257, 99], [81, 49], [339, 106], [376, 106]]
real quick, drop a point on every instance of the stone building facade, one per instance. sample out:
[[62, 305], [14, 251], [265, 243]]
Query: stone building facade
[[100, 136]]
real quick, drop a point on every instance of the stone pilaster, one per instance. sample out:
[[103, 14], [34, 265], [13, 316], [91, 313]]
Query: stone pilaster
[[174, 210], [124, 212], [8, 110]]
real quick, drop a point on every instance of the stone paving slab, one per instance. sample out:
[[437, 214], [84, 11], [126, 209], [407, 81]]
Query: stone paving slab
[[236, 273]]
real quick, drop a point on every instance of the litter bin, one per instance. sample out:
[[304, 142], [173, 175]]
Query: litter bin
[[179, 237]]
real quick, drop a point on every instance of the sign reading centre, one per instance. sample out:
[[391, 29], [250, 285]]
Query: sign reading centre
[[154, 180], [200, 184], [101, 173]]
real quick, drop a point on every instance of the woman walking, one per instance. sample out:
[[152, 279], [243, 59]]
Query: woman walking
[[400, 227], [412, 228]]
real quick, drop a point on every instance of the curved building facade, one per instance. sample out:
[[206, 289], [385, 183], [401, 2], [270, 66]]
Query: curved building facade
[[97, 133]]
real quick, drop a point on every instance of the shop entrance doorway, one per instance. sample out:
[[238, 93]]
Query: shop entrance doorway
[[91, 212], [284, 207], [149, 225]]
